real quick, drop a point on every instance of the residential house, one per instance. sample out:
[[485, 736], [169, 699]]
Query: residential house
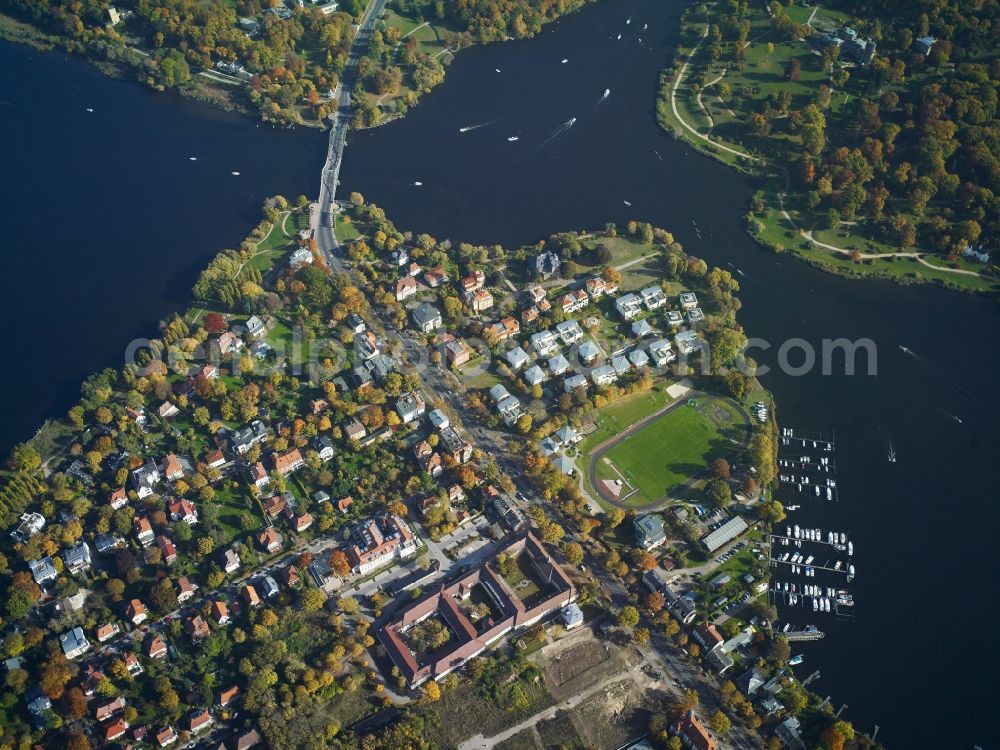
[[510, 410], [208, 372], [269, 539], [345, 503], [516, 358], [107, 631], [688, 300], [257, 475], [106, 542], [274, 506], [499, 392], [290, 575], [287, 461], [790, 733], [216, 459], [435, 277], [323, 447], [406, 287], [692, 733], [168, 552], [661, 352], [629, 306], [106, 710], [183, 510], [595, 287], [621, 364], [379, 541], [255, 326], [77, 557], [641, 328], [300, 257], [505, 328], [653, 297], [115, 729], [229, 343], [118, 498], [145, 479], [573, 382], [452, 444], [479, 300], [546, 265], [230, 561], [924, 45], [695, 316], [267, 587], [353, 429], [367, 348], [168, 735], [544, 343], [248, 740], [687, 342], [410, 406], [143, 530], [571, 616], [302, 522], [243, 440], [414, 269], [156, 647], [588, 352], [400, 257], [220, 613], [74, 643], [674, 319], [132, 665], [185, 589], [534, 293], [558, 365], [528, 316], [250, 595], [534, 375], [638, 358], [569, 331], [167, 410], [604, 375], [426, 318], [457, 352], [196, 628], [227, 696], [649, 531], [199, 719], [472, 282], [708, 636], [135, 612]]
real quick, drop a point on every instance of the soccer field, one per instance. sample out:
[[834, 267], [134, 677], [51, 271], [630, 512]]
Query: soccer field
[[674, 448]]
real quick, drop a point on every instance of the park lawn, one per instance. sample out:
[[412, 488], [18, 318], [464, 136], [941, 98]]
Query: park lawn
[[233, 505], [346, 231], [675, 448]]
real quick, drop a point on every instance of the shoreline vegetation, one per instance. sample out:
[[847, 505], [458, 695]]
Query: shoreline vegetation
[[282, 63], [869, 156]]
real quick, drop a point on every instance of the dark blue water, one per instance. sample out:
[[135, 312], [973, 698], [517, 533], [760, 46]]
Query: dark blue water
[[924, 527], [106, 222]]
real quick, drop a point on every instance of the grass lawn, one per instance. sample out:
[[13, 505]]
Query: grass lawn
[[346, 230], [612, 420], [674, 448]]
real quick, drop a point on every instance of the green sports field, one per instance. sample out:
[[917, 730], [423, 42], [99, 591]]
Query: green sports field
[[674, 448]]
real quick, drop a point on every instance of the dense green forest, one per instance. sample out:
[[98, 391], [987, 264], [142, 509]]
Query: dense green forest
[[885, 115]]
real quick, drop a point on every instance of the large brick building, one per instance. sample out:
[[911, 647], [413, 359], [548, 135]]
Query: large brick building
[[478, 609]]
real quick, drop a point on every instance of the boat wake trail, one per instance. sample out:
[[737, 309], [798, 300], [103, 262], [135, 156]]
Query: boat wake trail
[[561, 130], [467, 128], [947, 380]]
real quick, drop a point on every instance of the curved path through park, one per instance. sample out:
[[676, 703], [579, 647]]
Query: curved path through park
[[601, 450]]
